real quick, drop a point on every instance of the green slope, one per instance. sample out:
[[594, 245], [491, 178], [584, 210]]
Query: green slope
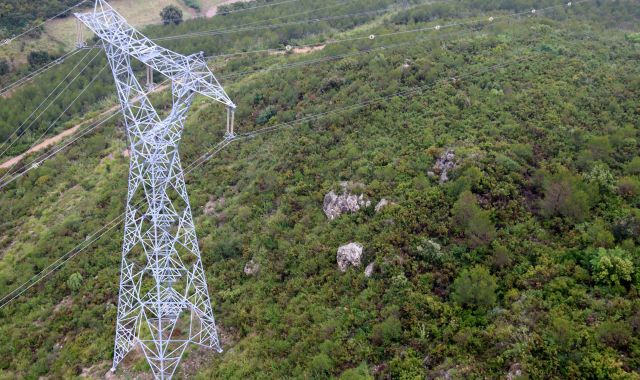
[[539, 266]]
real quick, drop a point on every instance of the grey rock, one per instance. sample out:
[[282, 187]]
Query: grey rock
[[335, 205], [349, 255], [368, 271], [251, 268], [213, 204], [445, 164], [382, 204], [515, 371]]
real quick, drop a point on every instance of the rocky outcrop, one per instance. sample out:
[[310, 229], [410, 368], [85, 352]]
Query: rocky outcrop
[[251, 268], [368, 271], [444, 165], [515, 371], [349, 255], [213, 204], [382, 204], [335, 205]]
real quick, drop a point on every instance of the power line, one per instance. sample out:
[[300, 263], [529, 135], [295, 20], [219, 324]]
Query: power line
[[35, 279], [491, 20], [279, 17], [21, 127], [60, 60], [36, 163], [258, 7], [223, 14], [223, 144], [249, 135], [17, 292], [41, 70], [333, 57], [484, 20], [10, 40], [33, 164], [272, 26]]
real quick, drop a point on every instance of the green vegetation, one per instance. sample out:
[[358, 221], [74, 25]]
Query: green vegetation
[[527, 258], [18, 15]]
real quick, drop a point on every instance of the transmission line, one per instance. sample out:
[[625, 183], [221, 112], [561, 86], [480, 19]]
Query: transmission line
[[223, 144], [61, 59], [35, 279], [10, 40], [372, 36], [36, 163], [17, 292], [22, 125], [41, 70], [258, 7], [248, 135], [275, 26]]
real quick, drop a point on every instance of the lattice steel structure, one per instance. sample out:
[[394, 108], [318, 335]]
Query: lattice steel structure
[[163, 302]]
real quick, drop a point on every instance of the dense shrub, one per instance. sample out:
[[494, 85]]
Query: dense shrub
[[612, 266], [171, 15], [475, 288]]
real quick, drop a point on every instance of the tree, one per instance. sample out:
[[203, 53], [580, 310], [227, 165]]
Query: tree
[[74, 282], [472, 220], [475, 288], [4, 67], [564, 197], [171, 15], [39, 58]]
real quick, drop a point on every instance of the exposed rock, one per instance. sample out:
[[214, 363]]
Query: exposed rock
[[426, 361], [515, 371], [382, 204], [380, 368], [349, 255], [108, 157], [368, 271], [335, 205], [213, 204], [444, 164], [251, 268], [65, 304]]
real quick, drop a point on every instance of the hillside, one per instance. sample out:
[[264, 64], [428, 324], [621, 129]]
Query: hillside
[[59, 35], [523, 264]]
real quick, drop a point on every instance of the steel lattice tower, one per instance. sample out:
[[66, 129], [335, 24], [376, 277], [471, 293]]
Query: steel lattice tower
[[163, 302]]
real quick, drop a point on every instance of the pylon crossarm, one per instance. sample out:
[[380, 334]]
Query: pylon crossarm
[[191, 71]]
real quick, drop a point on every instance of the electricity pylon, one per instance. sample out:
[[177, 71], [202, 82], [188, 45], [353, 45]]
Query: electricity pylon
[[163, 303]]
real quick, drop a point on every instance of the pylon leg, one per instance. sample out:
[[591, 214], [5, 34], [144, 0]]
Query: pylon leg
[[164, 301], [150, 85], [230, 134]]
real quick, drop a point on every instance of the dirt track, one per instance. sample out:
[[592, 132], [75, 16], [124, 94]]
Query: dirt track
[[62, 135]]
